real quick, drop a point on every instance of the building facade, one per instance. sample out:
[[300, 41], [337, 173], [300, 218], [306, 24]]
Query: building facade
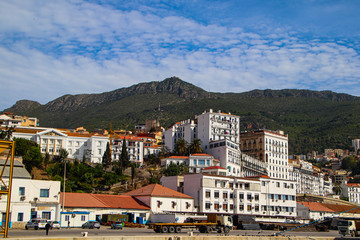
[[269, 147]]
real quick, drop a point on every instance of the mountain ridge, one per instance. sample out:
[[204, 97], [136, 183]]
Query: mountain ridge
[[313, 119]]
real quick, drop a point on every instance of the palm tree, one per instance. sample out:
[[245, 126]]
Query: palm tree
[[181, 147], [195, 146]]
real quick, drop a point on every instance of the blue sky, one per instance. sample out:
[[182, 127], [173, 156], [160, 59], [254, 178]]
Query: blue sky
[[50, 48]]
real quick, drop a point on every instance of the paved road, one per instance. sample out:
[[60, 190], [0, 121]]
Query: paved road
[[106, 231]]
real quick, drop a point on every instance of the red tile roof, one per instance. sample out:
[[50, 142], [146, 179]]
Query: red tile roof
[[89, 200], [201, 154], [157, 190], [178, 157], [316, 207], [214, 167], [338, 208]]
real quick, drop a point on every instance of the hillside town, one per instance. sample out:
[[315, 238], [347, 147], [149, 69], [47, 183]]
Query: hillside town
[[228, 171]]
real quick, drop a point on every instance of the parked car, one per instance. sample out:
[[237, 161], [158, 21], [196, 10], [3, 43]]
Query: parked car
[[36, 224], [91, 225], [116, 225], [54, 224]]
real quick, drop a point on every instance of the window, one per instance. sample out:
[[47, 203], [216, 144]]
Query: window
[[277, 184], [46, 215], [82, 218], [249, 196], [231, 206], [207, 194], [225, 194], [21, 191], [216, 206], [225, 206], [241, 207], [247, 185], [216, 194], [256, 197], [201, 162], [249, 207], [67, 217], [256, 208], [241, 195], [20, 217], [44, 192], [207, 205], [195, 161]]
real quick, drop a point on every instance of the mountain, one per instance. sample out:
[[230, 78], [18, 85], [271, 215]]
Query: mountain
[[314, 120]]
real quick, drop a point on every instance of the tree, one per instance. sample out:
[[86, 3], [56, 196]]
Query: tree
[[106, 160], [22, 146], [32, 158], [153, 159], [5, 134], [46, 159], [124, 158], [164, 152], [181, 147], [348, 163], [195, 146], [63, 154], [172, 170]]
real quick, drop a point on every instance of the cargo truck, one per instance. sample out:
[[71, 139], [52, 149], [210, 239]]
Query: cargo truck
[[349, 227], [214, 223]]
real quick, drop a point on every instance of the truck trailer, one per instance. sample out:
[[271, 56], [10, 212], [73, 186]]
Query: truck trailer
[[214, 223]]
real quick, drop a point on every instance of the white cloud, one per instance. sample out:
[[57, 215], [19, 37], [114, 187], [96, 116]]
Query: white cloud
[[51, 48]]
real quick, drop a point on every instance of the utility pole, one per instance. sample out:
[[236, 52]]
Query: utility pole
[[63, 199]]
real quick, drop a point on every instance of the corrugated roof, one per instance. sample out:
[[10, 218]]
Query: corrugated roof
[[158, 191], [89, 200]]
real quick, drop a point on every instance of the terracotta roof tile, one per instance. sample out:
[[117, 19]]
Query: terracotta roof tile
[[101, 201], [178, 157], [201, 154], [214, 167], [157, 190], [316, 207], [339, 208]]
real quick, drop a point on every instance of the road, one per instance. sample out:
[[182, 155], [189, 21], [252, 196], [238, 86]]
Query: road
[[107, 232]]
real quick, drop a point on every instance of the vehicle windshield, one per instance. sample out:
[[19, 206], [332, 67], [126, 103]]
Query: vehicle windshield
[[343, 223]]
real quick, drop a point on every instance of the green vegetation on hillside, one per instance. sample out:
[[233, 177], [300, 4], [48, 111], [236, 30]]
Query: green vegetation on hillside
[[313, 120]]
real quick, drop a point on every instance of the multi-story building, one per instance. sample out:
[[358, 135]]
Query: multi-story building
[[309, 180], [215, 126], [78, 145], [356, 144], [352, 191], [135, 148], [29, 198], [262, 197], [181, 130], [269, 147], [10, 120]]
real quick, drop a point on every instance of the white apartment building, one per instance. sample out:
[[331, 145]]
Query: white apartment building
[[78, 145], [352, 191], [356, 144], [308, 181], [195, 162], [135, 149], [214, 126], [261, 197], [269, 147], [186, 130]]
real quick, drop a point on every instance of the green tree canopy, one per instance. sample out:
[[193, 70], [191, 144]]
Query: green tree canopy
[[181, 147], [124, 158], [349, 163], [195, 146], [32, 158], [172, 170], [106, 160]]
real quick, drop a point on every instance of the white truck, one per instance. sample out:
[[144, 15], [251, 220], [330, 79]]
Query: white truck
[[349, 227]]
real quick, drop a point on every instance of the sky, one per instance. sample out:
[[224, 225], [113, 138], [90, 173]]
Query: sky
[[50, 48]]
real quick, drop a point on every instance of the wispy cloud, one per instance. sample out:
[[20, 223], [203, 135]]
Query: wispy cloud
[[51, 48]]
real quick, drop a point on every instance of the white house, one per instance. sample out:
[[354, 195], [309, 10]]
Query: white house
[[29, 198], [161, 199], [81, 207]]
